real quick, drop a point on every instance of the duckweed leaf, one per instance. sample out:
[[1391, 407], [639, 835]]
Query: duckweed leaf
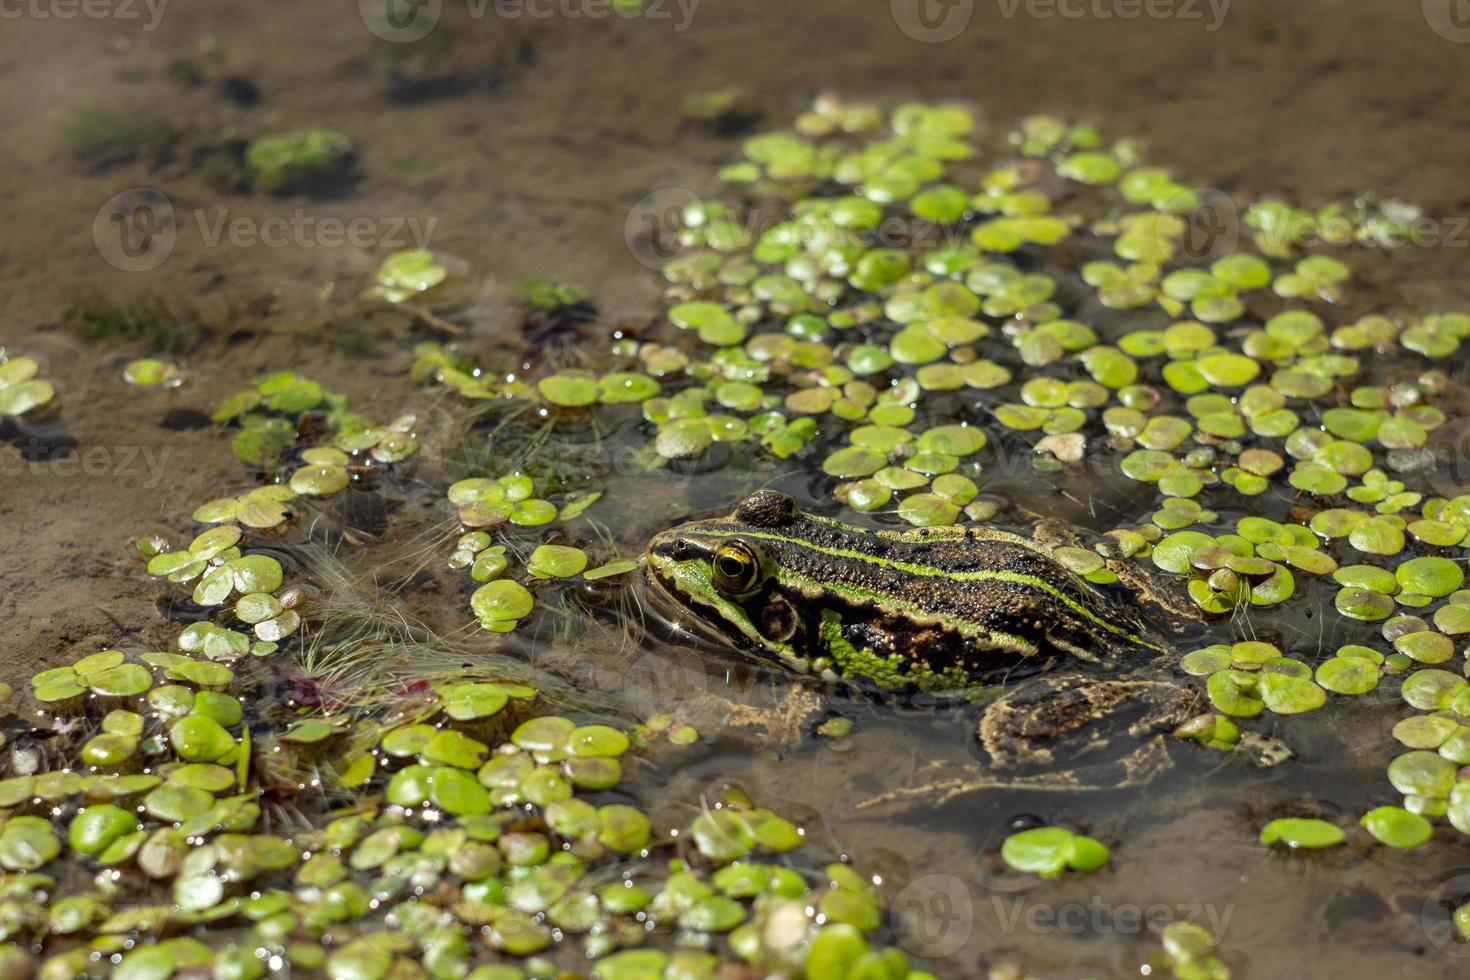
[[1048, 851], [501, 601], [1302, 833], [1397, 827], [557, 561]]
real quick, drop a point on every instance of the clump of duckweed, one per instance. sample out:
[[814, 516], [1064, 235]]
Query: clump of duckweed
[[1048, 851], [1247, 678], [727, 109], [151, 372], [21, 391], [548, 296], [1213, 731], [446, 366], [507, 504], [277, 409], [304, 160], [1189, 953], [482, 502], [405, 275]]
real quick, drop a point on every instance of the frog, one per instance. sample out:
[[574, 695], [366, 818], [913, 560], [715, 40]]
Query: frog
[[975, 613]]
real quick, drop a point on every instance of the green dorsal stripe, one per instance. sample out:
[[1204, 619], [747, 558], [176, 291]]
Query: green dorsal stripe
[[909, 568]]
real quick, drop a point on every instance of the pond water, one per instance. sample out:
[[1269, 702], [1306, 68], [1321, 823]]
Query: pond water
[[522, 142]]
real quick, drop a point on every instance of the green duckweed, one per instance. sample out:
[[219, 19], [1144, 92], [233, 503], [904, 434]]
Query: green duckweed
[[1048, 851]]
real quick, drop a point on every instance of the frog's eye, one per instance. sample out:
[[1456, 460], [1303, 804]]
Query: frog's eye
[[737, 569]]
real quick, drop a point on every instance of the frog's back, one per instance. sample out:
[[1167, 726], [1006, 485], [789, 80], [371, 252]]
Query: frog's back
[[976, 581]]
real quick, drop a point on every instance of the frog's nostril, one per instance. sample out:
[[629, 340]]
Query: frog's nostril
[[680, 549]]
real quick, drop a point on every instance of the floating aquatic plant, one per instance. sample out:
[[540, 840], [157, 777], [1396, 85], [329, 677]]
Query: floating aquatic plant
[[1189, 952], [20, 390], [404, 275], [297, 161], [1048, 851], [1302, 832], [548, 297], [151, 372]]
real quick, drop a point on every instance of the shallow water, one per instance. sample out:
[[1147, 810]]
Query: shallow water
[[527, 143]]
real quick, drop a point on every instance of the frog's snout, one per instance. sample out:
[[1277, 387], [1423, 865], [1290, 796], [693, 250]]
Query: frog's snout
[[675, 546]]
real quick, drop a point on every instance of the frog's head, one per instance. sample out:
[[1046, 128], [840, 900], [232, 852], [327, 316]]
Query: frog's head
[[722, 574]]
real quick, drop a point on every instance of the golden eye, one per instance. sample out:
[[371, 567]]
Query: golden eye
[[737, 569]]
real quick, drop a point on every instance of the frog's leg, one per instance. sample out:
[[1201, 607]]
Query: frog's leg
[[781, 727], [1140, 768], [1059, 719]]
